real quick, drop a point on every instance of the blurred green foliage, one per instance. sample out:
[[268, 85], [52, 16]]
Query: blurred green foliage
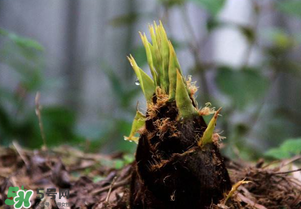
[[242, 91], [213, 7], [247, 85], [24, 57], [289, 148], [245, 88], [290, 7]]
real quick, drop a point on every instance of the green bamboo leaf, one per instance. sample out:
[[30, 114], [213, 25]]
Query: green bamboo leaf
[[164, 50], [184, 103], [159, 58], [148, 51], [172, 71], [156, 56], [146, 83], [207, 136], [139, 122]]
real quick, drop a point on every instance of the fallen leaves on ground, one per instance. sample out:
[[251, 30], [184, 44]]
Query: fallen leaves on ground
[[97, 181]]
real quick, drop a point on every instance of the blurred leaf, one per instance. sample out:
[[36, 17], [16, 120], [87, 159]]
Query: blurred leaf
[[298, 38], [21, 41], [118, 164], [212, 24], [290, 7], [8, 95], [115, 81], [58, 125], [124, 20], [98, 179], [6, 125], [171, 3], [128, 158], [242, 86], [212, 6], [287, 149], [124, 95], [279, 38], [25, 42], [35, 82], [248, 32]]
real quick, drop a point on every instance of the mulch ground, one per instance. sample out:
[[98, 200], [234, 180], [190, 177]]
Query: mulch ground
[[102, 181]]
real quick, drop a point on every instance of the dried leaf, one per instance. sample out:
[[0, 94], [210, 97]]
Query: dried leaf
[[234, 188]]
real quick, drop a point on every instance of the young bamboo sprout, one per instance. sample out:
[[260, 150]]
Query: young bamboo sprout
[[183, 101], [138, 123], [177, 165], [208, 133]]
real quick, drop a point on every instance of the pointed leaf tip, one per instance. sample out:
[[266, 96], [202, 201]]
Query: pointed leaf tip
[[146, 83], [207, 135], [183, 101], [149, 56]]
